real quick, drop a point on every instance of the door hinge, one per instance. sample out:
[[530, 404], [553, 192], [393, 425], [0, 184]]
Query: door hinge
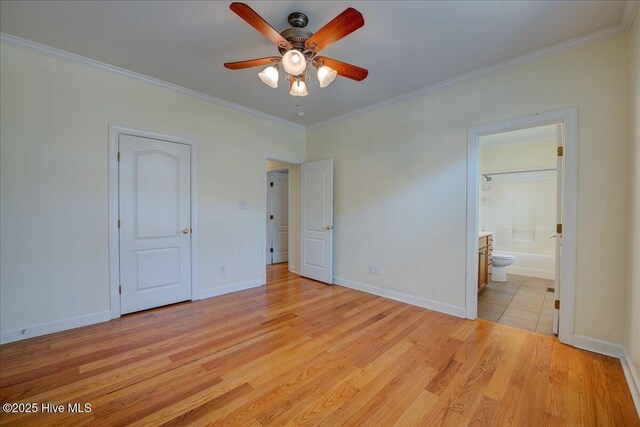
[[270, 216], [559, 228], [560, 151], [557, 304], [118, 156], [118, 223], [271, 250], [271, 184], [120, 289]]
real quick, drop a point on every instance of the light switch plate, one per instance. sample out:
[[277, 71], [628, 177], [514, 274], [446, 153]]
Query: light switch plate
[[242, 204]]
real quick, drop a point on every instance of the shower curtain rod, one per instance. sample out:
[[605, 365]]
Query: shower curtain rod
[[524, 171]]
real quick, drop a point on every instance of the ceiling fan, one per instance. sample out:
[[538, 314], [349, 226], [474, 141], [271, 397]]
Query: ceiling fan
[[298, 48]]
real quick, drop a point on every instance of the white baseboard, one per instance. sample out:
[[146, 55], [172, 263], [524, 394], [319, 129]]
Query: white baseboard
[[214, 292], [632, 378], [399, 296], [293, 269], [55, 326], [598, 346], [532, 272]]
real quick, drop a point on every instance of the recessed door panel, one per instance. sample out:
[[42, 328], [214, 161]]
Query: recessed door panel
[[314, 255], [157, 194], [158, 268], [315, 209]]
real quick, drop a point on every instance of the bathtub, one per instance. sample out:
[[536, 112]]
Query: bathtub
[[542, 266]]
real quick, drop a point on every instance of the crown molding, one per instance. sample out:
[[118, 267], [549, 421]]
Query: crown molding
[[624, 25], [10, 40]]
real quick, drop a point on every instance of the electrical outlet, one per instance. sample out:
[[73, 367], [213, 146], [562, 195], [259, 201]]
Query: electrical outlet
[[242, 204], [374, 269], [223, 269]]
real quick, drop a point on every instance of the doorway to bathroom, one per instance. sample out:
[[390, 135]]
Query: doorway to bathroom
[[521, 223]]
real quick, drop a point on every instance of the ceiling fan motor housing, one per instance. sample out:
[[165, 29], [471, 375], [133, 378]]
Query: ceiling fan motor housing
[[296, 35]]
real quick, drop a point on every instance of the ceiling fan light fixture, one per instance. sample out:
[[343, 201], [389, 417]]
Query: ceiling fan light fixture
[[326, 75], [298, 88], [269, 76], [294, 62]]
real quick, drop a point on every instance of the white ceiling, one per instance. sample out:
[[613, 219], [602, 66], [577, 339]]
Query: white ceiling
[[406, 45]]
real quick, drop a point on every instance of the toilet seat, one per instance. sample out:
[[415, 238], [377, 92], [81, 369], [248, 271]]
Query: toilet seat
[[502, 256]]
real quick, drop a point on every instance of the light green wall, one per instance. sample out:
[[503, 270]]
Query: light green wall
[[54, 170], [400, 179]]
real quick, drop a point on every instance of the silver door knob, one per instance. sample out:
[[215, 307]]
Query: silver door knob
[[328, 227], [186, 231]]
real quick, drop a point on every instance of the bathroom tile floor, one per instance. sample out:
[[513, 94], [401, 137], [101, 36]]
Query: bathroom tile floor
[[522, 302]]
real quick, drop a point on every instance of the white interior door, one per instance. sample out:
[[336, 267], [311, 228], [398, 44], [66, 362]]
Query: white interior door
[[155, 222], [558, 271], [316, 220], [278, 221]]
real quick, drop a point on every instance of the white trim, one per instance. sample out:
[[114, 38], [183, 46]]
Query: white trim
[[624, 25], [114, 235], [569, 117], [402, 297], [614, 30], [632, 378], [598, 346], [263, 232], [55, 326], [10, 40], [214, 292], [293, 268]]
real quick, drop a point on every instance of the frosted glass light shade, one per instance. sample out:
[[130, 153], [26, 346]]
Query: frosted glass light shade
[[298, 88], [269, 76], [294, 62], [326, 75]]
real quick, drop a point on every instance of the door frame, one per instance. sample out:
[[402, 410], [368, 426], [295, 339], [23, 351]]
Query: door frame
[[569, 119], [114, 236], [278, 158]]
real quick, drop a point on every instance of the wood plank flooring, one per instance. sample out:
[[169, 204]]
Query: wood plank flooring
[[298, 352]]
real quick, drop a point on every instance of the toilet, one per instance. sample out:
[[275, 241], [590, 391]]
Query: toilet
[[499, 264]]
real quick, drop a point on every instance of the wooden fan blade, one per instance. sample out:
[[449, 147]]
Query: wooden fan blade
[[341, 26], [269, 60], [257, 22], [345, 70]]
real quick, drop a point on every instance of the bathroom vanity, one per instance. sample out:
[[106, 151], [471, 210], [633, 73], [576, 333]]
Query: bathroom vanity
[[485, 247]]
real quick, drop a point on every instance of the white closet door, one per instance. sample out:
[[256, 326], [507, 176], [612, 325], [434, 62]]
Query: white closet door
[[155, 222], [316, 220], [279, 218]]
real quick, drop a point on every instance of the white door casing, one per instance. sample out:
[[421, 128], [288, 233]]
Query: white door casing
[[559, 215], [316, 220], [567, 273], [278, 217], [155, 222]]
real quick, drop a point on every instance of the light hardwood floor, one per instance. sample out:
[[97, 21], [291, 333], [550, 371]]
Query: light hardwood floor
[[300, 352]]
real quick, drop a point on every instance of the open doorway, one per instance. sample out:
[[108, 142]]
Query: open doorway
[[517, 218], [521, 223], [281, 195]]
